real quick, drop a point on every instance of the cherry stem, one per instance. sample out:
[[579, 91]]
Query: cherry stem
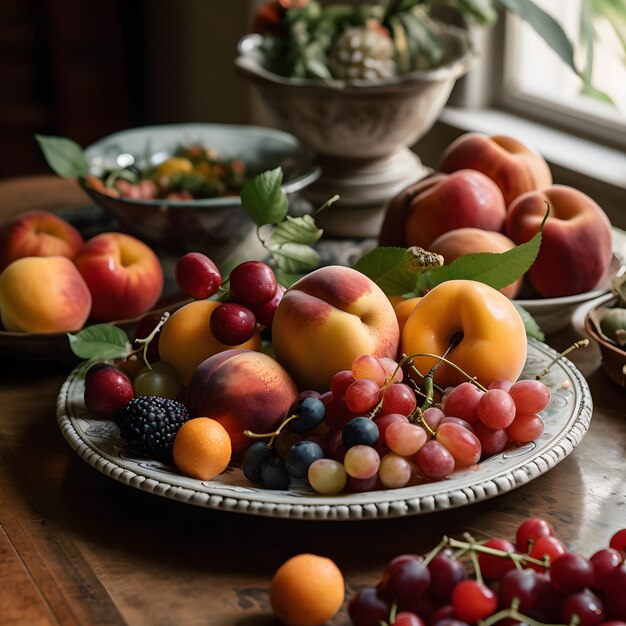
[[583, 343], [145, 341]]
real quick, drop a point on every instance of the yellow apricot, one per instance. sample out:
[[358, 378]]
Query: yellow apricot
[[186, 338]]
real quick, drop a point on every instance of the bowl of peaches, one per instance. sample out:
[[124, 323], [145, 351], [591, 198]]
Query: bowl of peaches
[[56, 278], [492, 193], [179, 185]]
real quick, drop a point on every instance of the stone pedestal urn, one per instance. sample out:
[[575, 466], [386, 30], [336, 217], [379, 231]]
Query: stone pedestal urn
[[361, 131]]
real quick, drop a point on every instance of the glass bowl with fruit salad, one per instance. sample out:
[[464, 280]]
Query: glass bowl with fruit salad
[[178, 185]]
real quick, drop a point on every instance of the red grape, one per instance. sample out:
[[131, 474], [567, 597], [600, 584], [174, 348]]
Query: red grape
[[473, 601], [491, 441], [368, 366], [525, 428], [493, 566], [460, 442], [462, 401], [399, 398], [530, 396], [531, 530], [496, 409], [362, 395], [340, 382], [571, 573], [434, 461], [433, 417]]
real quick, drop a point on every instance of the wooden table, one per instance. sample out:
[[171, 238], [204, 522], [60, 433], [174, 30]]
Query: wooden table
[[78, 548]]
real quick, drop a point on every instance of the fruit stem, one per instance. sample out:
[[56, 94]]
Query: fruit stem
[[515, 615], [436, 550], [583, 343], [270, 443], [145, 342], [476, 564], [442, 359], [514, 556]]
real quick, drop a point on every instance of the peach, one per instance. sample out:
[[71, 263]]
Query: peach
[[492, 344], [123, 274], [576, 248], [43, 295], [243, 390], [38, 233], [327, 319], [456, 243], [513, 166], [186, 338], [440, 203]]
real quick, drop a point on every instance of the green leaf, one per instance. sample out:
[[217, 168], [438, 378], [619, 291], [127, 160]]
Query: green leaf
[[390, 268], [64, 156], [545, 26], [263, 198], [100, 341], [295, 230], [530, 324], [294, 257], [481, 11], [495, 269]]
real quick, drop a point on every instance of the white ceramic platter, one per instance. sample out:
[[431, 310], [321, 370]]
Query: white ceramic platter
[[97, 441]]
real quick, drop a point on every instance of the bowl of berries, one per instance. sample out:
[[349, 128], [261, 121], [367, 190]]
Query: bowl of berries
[[178, 185]]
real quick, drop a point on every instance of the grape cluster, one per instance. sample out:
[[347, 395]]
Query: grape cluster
[[533, 580], [291, 450]]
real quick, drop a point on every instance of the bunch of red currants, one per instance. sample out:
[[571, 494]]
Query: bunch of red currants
[[536, 580]]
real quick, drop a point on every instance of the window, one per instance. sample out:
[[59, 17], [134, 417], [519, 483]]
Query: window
[[537, 83]]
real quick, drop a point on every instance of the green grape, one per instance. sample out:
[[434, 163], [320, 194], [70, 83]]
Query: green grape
[[327, 477], [159, 380]]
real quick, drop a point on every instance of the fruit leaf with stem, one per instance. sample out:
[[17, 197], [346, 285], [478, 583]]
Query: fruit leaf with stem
[[64, 156], [100, 341]]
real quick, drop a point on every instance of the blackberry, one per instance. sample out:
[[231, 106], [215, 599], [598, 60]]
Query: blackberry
[[148, 424]]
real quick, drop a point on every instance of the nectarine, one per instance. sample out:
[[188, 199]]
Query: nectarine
[[123, 274], [38, 233], [513, 166], [327, 319], [440, 203], [43, 295], [243, 390], [576, 249]]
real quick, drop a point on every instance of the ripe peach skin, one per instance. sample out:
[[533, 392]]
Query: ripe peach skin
[[440, 203], [43, 295], [462, 241], [513, 166], [494, 341], [243, 390], [186, 338], [38, 233], [576, 248], [327, 319], [123, 274]]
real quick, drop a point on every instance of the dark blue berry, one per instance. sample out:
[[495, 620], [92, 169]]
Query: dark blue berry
[[360, 431], [252, 460], [311, 413], [300, 457], [274, 473]]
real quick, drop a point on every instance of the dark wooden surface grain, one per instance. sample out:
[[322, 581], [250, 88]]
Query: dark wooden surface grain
[[79, 548]]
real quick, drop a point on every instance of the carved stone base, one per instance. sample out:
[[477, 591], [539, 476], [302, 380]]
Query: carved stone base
[[365, 186]]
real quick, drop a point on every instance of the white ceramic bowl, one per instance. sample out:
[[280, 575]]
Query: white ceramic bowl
[[210, 225]]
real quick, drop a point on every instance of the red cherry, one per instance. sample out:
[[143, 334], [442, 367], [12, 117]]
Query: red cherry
[[473, 601], [618, 541], [531, 530], [197, 276], [107, 390]]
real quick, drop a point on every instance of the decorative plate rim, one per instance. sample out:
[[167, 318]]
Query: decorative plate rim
[[149, 476]]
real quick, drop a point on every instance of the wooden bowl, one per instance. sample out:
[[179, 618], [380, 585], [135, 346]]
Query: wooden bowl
[[613, 358]]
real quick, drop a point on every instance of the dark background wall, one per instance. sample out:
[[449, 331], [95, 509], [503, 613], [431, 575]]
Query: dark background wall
[[85, 69]]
